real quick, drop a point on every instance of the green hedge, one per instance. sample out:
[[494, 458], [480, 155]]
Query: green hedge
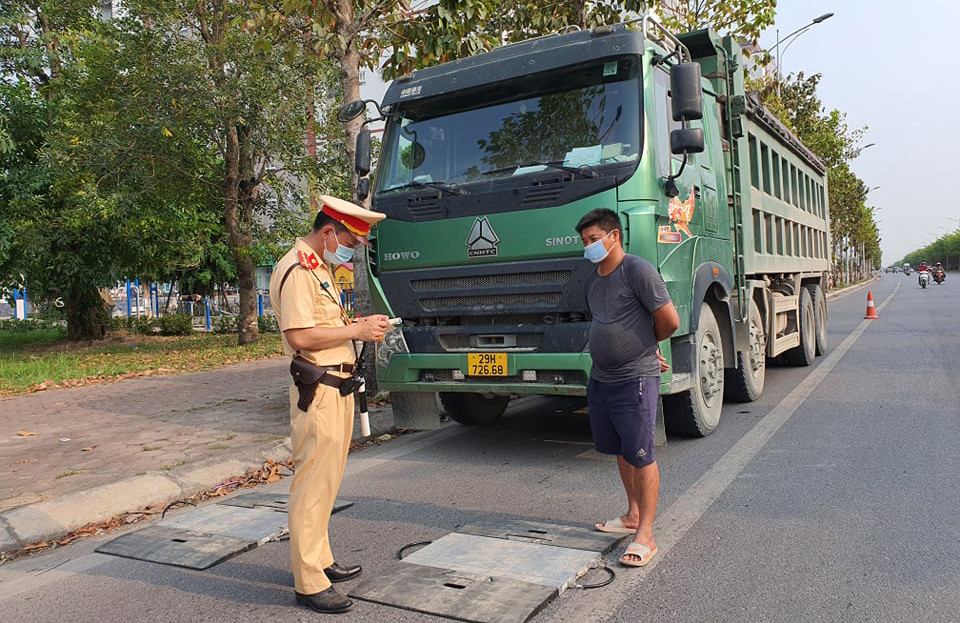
[[14, 325]]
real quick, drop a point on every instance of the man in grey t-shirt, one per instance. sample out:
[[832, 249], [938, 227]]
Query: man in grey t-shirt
[[631, 312]]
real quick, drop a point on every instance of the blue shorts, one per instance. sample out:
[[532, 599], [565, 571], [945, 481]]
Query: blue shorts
[[623, 417]]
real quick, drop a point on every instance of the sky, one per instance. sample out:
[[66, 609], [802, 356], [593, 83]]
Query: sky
[[887, 65], [890, 67]]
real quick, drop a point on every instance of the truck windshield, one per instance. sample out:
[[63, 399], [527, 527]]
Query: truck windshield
[[580, 119]]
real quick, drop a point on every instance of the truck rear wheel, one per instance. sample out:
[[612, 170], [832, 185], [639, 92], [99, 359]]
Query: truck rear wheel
[[473, 409], [696, 411], [804, 354], [745, 382], [819, 317]]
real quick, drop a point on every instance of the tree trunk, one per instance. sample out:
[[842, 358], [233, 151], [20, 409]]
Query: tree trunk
[[87, 315], [350, 80], [239, 238]]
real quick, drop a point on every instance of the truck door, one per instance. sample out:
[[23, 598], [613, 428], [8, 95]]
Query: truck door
[[678, 218]]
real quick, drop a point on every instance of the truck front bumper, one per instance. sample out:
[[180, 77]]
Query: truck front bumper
[[549, 374]]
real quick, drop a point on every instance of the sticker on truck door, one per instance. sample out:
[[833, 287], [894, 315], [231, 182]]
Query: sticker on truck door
[[680, 213]]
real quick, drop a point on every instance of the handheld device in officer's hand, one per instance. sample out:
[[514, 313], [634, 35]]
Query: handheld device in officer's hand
[[394, 322]]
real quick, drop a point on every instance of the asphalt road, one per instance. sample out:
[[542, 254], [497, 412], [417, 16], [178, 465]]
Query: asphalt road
[[832, 498]]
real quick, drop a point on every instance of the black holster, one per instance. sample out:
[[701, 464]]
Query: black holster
[[306, 377]]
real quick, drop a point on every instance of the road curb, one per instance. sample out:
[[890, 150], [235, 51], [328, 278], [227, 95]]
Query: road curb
[[54, 518], [835, 294]]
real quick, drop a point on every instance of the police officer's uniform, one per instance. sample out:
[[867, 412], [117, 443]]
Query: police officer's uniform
[[321, 434]]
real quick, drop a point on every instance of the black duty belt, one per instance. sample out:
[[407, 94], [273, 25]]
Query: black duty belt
[[346, 368], [332, 381]]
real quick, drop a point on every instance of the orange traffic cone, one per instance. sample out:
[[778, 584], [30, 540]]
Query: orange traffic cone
[[871, 310]]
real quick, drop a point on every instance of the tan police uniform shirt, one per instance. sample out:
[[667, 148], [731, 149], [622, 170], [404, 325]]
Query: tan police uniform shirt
[[309, 298]]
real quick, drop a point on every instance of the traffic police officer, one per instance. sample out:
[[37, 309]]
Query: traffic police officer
[[319, 335]]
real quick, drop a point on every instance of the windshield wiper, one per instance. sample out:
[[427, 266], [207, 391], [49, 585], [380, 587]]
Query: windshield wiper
[[451, 189], [556, 164]]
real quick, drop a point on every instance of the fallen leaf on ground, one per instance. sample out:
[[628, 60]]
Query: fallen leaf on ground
[[87, 449], [37, 545], [25, 433]]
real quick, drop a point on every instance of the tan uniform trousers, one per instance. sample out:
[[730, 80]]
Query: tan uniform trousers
[[321, 441]]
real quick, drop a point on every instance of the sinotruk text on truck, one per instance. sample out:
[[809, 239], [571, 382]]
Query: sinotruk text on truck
[[488, 162]]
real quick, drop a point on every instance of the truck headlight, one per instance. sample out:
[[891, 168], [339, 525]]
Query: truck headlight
[[393, 343]]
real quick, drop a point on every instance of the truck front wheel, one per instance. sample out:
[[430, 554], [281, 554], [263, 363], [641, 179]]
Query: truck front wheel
[[473, 409], [696, 411]]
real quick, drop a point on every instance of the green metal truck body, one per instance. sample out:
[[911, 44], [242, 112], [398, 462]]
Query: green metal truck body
[[489, 162]]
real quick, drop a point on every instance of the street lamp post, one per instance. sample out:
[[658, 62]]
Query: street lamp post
[[795, 34]]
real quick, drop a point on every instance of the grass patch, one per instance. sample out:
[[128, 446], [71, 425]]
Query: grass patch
[[43, 358], [65, 475]]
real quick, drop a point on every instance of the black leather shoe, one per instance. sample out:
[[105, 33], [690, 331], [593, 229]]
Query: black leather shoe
[[327, 602], [336, 573]]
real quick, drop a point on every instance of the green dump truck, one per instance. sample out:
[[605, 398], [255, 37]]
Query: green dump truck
[[488, 162]]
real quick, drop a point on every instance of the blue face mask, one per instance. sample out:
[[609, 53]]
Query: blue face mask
[[342, 255], [595, 251]]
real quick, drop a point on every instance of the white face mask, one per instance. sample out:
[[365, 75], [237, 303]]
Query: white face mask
[[342, 255], [596, 252]]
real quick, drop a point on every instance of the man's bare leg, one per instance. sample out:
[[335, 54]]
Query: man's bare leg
[[628, 477], [646, 490]]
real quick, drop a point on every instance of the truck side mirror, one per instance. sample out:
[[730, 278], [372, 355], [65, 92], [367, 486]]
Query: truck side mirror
[[687, 141], [363, 188], [351, 110], [686, 93], [362, 160]]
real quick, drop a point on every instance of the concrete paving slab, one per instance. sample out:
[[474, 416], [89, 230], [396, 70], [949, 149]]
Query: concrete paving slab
[[547, 565], [454, 594], [176, 547]]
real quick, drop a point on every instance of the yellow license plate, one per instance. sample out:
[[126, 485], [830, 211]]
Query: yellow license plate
[[487, 364]]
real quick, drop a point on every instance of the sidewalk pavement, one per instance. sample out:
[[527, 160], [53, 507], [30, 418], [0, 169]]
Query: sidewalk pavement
[[82, 455]]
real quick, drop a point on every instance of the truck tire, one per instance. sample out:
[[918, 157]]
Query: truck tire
[[745, 382], [696, 411], [819, 317], [804, 354], [473, 409]]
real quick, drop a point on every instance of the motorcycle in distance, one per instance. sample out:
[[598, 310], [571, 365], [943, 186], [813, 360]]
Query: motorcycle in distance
[[924, 278], [939, 276]]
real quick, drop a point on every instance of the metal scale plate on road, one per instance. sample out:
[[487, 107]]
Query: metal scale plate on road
[[489, 571], [202, 538]]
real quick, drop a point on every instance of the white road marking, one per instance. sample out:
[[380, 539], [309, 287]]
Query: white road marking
[[673, 524]]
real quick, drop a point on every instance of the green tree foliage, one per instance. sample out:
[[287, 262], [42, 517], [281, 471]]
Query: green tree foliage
[[179, 101], [58, 234], [946, 250], [744, 18], [452, 29]]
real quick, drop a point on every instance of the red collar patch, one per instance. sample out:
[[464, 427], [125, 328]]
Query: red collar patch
[[308, 260]]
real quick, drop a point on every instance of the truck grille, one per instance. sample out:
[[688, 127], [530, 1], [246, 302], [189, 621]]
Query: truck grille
[[486, 300], [556, 277]]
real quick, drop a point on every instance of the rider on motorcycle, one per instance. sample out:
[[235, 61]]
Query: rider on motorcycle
[[922, 268], [938, 273]]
